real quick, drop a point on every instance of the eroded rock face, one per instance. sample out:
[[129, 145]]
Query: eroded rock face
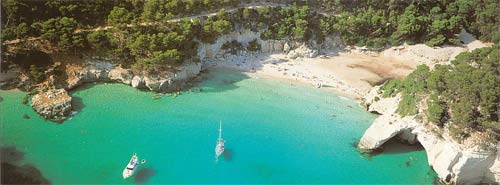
[[137, 82], [157, 83], [119, 74], [303, 51], [105, 71], [272, 46], [169, 81], [213, 52], [188, 70], [96, 70], [453, 162], [54, 104]]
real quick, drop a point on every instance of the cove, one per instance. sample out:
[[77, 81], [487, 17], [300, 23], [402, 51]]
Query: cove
[[275, 132]]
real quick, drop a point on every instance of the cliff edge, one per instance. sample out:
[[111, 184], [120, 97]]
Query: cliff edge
[[455, 163]]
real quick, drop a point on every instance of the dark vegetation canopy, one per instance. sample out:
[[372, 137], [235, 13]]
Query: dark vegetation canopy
[[154, 35], [375, 23], [149, 35]]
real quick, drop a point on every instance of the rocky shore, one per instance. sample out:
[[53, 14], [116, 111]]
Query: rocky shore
[[102, 70], [53, 104], [455, 163]]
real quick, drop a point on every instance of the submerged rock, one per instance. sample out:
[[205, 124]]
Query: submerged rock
[[25, 116], [54, 104], [26, 174]]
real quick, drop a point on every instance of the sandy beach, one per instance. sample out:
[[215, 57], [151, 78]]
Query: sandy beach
[[351, 73]]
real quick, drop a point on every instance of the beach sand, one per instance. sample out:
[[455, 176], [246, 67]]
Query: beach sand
[[349, 75]]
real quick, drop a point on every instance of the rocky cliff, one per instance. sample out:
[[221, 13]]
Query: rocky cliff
[[212, 53], [53, 104], [102, 70], [453, 162]]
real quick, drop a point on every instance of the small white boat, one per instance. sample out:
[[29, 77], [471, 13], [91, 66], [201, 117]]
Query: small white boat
[[219, 148], [131, 167]]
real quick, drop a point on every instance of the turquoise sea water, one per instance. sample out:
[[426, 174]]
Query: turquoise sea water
[[275, 133]]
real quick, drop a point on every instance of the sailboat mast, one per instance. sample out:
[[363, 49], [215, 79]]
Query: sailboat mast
[[220, 130]]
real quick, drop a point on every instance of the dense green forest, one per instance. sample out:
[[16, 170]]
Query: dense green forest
[[463, 96], [376, 23], [142, 33]]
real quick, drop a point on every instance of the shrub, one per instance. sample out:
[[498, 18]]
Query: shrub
[[439, 40], [391, 88], [98, 39], [253, 45], [376, 43], [408, 105], [266, 35], [435, 110]]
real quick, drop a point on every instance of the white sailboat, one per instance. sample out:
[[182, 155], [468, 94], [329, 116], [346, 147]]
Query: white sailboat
[[219, 148], [131, 166]]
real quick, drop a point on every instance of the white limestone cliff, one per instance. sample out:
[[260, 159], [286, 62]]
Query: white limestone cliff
[[96, 70], [210, 53], [453, 162]]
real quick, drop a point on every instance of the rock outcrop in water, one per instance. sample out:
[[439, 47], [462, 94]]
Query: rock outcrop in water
[[53, 104], [453, 162]]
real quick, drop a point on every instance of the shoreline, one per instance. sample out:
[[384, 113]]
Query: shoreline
[[347, 75], [256, 74]]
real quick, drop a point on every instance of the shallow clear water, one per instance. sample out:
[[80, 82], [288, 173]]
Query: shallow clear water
[[274, 132]]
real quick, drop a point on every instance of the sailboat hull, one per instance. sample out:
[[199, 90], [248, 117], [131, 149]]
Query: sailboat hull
[[219, 149]]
